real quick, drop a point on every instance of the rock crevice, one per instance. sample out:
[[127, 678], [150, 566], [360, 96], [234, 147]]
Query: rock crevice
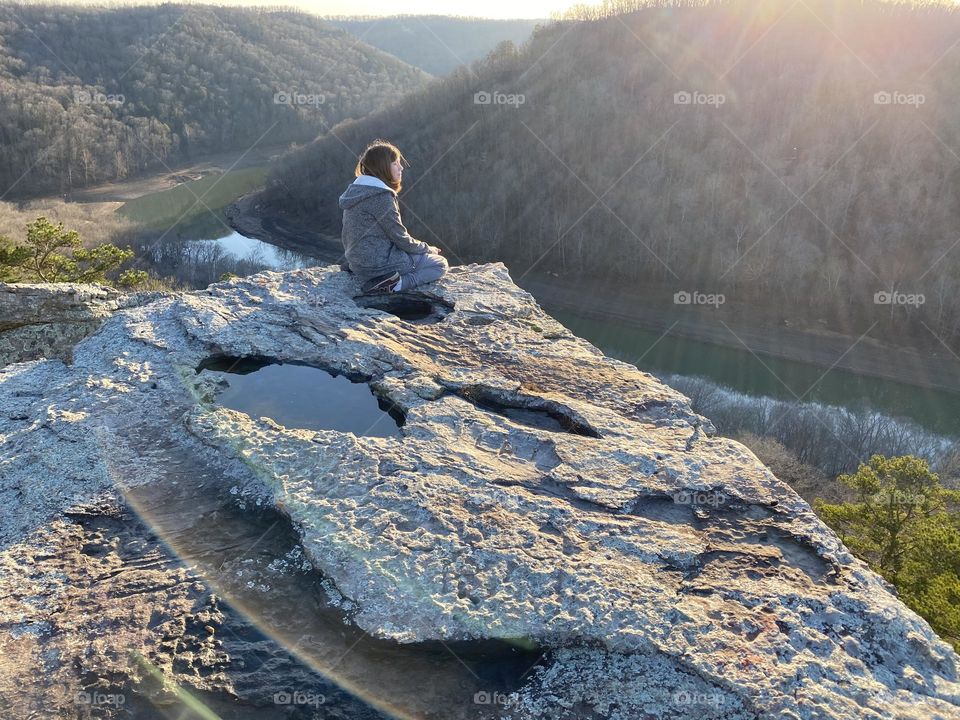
[[540, 490]]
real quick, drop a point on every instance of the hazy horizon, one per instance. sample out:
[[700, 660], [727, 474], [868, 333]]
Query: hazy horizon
[[497, 10]]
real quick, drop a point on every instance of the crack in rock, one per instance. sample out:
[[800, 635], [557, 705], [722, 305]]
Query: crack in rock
[[550, 515]]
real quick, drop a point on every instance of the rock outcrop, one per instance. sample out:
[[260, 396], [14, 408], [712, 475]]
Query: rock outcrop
[[542, 494], [46, 320]]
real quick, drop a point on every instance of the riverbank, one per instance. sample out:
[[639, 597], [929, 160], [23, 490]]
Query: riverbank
[[735, 325], [244, 216], [164, 178], [739, 327]]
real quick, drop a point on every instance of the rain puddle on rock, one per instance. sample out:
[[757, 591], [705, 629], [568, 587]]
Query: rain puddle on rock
[[251, 555], [301, 396]]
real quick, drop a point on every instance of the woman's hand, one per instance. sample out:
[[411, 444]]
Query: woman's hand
[[435, 250]]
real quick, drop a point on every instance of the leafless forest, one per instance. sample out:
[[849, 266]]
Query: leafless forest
[[798, 155]]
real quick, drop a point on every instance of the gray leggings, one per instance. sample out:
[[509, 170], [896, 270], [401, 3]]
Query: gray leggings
[[427, 267]]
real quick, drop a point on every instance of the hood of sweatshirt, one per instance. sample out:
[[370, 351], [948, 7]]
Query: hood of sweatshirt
[[362, 188]]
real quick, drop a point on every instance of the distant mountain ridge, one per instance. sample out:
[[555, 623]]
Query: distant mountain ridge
[[436, 43]]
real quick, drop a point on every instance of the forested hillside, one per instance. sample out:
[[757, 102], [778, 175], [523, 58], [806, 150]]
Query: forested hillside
[[94, 94], [436, 43], [804, 156]]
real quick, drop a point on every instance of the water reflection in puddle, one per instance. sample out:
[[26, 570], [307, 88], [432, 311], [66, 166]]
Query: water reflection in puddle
[[300, 396]]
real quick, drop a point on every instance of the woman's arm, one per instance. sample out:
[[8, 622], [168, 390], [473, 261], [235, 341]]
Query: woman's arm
[[388, 218]]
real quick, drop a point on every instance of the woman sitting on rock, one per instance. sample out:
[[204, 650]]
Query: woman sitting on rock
[[377, 245]]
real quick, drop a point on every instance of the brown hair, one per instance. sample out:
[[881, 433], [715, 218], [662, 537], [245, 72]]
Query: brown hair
[[375, 161]]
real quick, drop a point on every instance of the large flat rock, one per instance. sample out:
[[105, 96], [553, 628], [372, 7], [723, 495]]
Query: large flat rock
[[540, 492]]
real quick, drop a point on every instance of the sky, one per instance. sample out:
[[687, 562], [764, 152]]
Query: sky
[[540, 9], [501, 9]]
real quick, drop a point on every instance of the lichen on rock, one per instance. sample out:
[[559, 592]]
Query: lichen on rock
[[541, 492]]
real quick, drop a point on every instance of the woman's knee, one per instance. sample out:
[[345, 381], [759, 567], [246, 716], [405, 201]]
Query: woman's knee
[[436, 262], [435, 267]]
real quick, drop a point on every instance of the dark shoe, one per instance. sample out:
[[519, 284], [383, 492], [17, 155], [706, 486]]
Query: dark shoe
[[381, 284]]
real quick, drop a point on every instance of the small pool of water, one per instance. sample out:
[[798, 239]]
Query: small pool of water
[[301, 396]]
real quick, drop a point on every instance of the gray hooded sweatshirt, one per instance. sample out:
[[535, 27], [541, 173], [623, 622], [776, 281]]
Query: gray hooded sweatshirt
[[374, 239]]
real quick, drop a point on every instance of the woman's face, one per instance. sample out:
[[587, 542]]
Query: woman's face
[[396, 170]]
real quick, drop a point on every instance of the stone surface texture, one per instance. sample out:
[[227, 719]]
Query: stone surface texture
[[46, 320], [541, 492]]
